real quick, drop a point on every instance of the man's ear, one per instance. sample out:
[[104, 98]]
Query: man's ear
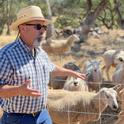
[[22, 28]]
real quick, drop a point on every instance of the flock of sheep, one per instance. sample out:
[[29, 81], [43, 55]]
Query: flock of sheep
[[75, 101]]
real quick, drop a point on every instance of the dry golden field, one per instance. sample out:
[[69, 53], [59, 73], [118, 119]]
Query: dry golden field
[[6, 39]]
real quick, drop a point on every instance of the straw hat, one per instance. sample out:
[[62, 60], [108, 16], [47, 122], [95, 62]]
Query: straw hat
[[27, 14]]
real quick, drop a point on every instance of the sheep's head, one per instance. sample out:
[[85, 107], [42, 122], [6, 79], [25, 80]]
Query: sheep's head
[[119, 58], [73, 38], [110, 96], [93, 73], [74, 84], [120, 90]]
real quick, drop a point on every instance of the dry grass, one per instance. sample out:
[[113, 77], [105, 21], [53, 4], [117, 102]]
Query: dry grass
[[6, 39]]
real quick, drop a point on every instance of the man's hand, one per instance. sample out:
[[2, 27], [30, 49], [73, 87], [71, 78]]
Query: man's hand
[[7, 91], [80, 75], [60, 71], [24, 90]]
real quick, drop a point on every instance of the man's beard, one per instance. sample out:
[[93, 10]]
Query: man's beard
[[38, 41]]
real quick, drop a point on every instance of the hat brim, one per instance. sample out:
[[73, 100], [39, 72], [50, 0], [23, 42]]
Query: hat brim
[[14, 25]]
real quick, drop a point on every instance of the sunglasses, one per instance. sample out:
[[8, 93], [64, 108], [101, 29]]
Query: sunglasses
[[38, 26]]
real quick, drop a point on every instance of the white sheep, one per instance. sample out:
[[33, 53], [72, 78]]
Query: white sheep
[[93, 74], [59, 46], [121, 114], [59, 81], [118, 75], [75, 84], [67, 107], [112, 58]]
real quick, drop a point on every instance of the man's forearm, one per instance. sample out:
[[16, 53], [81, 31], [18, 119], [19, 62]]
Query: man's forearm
[[59, 71], [7, 91], [67, 72]]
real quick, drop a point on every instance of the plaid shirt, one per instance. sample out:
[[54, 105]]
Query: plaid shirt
[[17, 64]]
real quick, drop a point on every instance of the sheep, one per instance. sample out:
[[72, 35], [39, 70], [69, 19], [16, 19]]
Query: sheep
[[93, 74], [121, 114], [68, 107], [57, 47], [118, 76], [59, 81], [72, 66], [112, 58], [75, 84]]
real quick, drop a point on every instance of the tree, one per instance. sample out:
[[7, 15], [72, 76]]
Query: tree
[[91, 17], [50, 30], [2, 18], [118, 11]]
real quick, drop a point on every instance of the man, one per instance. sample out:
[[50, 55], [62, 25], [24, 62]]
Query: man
[[25, 69]]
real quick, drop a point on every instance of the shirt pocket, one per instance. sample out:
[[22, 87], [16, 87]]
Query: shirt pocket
[[20, 76]]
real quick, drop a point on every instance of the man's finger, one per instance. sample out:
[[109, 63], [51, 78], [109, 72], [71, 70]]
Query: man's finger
[[83, 75], [35, 94], [34, 91]]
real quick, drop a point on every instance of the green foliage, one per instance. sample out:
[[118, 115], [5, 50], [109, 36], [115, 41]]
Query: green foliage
[[111, 2], [73, 3], [65, 20], [69, 12], [108, 17]]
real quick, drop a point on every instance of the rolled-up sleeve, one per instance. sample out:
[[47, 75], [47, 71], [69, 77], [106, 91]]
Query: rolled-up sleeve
[[5, 70], [48, 63], [51, 66]]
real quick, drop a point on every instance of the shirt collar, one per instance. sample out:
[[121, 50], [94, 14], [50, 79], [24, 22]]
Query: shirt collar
[[23, 44], [26, 48]]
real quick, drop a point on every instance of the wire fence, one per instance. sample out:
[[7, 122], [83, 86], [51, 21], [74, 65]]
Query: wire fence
[[108, 116]]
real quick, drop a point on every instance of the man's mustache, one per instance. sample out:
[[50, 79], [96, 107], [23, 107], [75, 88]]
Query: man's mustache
[[40, 37]]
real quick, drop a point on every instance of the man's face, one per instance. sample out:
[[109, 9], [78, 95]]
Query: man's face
[[34, 31]]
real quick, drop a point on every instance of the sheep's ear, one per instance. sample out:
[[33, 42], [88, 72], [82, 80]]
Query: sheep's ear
[[118, 88]]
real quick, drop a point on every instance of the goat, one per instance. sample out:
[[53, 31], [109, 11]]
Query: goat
[[112, 58], [75, 107]]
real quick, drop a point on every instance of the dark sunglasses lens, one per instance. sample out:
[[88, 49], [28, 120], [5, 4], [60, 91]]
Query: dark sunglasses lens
[[39, 26]]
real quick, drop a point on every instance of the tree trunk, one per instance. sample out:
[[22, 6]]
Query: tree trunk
[[50, 30], [8, 29], [90, 18]]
